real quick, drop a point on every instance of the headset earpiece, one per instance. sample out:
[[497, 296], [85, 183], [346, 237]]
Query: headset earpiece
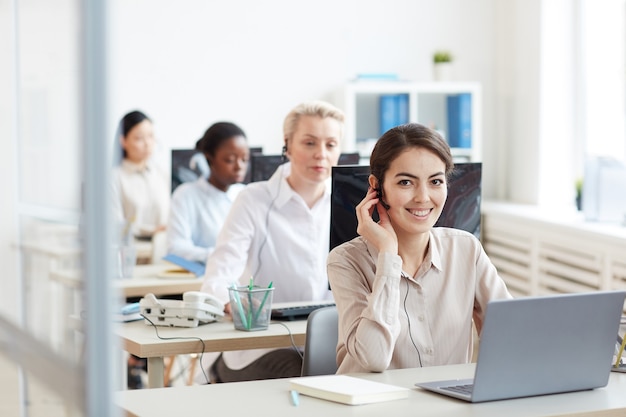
[[284, 152], [379, 195]]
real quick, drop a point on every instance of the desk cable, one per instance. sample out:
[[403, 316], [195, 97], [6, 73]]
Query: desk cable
[[293, 342], [206, 377]]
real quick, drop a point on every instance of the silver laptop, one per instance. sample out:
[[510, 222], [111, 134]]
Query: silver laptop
[[542, 345]]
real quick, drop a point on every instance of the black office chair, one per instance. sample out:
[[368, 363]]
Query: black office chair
[[320, 347]]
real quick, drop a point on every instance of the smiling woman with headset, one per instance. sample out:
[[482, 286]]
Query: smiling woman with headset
[[278, 231], [407, 292]]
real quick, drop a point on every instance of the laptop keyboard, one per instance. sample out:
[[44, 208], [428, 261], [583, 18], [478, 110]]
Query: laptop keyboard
[[461, 389]]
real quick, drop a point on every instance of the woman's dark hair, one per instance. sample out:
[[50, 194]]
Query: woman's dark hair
[[131, 120], [198, 146], [216, 135], [127, 123], [403, 137]]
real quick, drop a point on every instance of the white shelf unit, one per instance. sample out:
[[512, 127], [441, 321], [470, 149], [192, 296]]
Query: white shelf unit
[[427, 105]]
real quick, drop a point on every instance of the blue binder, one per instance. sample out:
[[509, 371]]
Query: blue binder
[[394, 111], [402, 101], [195, 267], [459, 108]]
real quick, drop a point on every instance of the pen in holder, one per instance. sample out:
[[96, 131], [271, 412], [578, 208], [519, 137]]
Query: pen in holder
[[251, 306]]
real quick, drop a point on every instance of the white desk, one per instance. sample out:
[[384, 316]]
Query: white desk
[[144, 280], [271, 398], [141, 340], [71, 251]]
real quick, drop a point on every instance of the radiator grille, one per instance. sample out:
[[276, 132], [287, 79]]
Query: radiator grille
[[535, 257]]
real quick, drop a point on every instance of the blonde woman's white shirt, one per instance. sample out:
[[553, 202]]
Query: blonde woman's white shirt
[[198, 211], [141, 195], [271, 233]]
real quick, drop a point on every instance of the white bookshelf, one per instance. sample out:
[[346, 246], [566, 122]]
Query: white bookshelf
[[427, 105]]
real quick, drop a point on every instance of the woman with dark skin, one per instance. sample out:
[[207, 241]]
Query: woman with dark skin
[[199, 208]]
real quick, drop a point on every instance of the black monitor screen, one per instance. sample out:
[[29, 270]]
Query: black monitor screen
[[349, 186], [352, 158], [261, 167], [253, 151], [182, 170], [462, 209], [256, 149]]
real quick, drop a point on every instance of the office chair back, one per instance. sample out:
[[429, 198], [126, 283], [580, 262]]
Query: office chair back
[[320, 348]]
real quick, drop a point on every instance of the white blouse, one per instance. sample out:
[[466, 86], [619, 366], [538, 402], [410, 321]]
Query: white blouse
[[197, 213], [141, 196]]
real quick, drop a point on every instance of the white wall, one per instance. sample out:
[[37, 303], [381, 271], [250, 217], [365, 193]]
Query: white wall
[[517, 98], [557, 110], [188, 64]]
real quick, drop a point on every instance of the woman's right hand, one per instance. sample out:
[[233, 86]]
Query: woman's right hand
[[227, 308], [380, 234]]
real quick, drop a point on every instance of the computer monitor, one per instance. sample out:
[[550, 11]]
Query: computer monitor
[[181, 168], [261, 167], [256, 150], [349, 158], [350, 183]]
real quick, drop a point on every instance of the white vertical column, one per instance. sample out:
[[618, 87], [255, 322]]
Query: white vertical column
[[101, 345]]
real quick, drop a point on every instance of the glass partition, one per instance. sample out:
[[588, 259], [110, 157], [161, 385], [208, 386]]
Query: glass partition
[[55, 339]]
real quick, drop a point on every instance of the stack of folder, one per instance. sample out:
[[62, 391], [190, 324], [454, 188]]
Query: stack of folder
[[394, 111], [459, 108]]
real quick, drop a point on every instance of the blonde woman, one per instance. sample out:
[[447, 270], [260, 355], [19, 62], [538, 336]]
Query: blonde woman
[[278, 231]]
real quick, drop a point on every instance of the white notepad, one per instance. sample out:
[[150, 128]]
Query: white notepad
[[347, 390]]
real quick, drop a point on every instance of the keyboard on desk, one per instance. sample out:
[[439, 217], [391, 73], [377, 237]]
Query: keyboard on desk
[[465, 389], [297, 312]]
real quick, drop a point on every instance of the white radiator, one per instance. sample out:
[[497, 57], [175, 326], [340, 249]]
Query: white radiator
[[539, 253]]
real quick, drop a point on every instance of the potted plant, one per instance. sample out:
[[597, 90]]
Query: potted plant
[[579, 194], [442, 61]]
